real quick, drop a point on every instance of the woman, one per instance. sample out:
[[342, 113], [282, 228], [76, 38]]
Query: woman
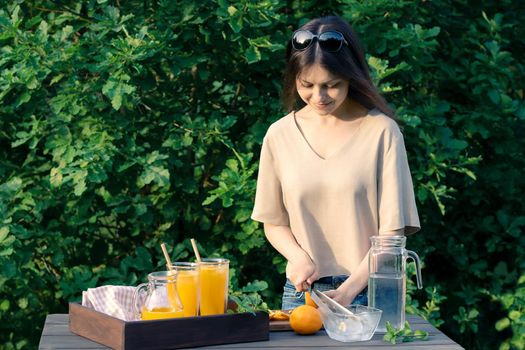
[[334, 172]]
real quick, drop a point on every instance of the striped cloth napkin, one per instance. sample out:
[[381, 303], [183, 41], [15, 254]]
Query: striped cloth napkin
[[116, 301]]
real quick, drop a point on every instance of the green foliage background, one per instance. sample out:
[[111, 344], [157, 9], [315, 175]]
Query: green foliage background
[[128, 123]]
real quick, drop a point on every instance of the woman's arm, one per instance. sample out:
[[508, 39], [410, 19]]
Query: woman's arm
[[357, 281], [301, 270]]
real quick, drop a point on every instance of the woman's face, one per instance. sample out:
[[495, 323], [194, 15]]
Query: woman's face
[[324, 92]]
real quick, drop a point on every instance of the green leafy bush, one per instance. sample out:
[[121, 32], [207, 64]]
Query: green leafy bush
[[514, 303], [124, 124]]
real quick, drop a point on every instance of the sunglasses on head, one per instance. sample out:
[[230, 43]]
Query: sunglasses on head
[[330, 40]]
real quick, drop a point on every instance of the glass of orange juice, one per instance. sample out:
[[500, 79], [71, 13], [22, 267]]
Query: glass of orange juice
[[214, 274], [188, 286], [161, 299]]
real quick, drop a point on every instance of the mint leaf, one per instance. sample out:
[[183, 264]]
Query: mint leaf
[[404, 335]]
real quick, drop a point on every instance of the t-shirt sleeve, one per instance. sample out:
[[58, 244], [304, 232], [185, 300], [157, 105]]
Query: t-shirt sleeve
[[396, 200], [269, 206]]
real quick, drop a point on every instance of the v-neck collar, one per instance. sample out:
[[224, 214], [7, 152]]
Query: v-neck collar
[[350, 140]]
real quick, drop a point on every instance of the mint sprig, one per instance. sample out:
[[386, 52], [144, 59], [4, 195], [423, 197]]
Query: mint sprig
[[403, 335], [248, 299]]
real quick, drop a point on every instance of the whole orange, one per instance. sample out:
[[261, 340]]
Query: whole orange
[[306, 319], [308, 299]]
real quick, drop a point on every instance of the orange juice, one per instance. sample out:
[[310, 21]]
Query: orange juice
[[188, 287], [162, 300], [159, 313], [213, 286]]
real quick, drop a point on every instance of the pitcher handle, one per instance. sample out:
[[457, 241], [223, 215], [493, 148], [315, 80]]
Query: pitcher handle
[[415, 257], [136, 299]]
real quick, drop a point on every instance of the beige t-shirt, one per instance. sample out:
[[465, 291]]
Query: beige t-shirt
[[334, 205]]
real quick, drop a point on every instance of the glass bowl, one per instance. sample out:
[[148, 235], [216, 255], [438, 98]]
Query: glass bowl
[[348, 328]]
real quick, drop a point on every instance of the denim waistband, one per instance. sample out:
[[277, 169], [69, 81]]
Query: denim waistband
[[338, 279]]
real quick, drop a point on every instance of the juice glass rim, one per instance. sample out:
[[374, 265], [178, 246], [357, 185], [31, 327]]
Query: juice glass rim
[[214, 261], [185, 265]]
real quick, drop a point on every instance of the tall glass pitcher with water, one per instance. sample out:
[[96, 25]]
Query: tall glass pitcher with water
[[387, 278]]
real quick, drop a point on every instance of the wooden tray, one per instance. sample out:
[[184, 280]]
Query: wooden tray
[[167, 334], [280, 325]]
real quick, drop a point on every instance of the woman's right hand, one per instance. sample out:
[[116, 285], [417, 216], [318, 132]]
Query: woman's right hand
[[302, 271]]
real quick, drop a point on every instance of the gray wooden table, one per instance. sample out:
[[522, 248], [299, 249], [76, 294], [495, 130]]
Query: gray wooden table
[[56, 335]]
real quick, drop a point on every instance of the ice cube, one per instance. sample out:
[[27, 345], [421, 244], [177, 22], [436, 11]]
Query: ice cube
[[353, 324], [368, 321]]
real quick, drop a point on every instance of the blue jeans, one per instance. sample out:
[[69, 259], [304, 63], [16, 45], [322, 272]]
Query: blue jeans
[[292, 299]]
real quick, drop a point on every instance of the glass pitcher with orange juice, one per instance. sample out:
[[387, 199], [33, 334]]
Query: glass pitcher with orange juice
[[161, 299]]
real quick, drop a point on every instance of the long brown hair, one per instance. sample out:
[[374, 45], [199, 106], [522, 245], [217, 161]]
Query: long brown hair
[[348, 63]]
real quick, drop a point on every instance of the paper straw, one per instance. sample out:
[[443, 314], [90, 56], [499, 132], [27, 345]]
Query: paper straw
[[166, 256], [195, 250]]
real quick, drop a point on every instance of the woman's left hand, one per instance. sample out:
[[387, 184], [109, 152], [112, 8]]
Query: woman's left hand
[[340, 295]]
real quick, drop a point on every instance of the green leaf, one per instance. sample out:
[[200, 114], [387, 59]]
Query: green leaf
[[23, 98], [7, 251], [232, 10], [252, 54], [210, 199], [255, 286], [389, 338], [4, 231], [515, 315], [8, 242], [502, 324], [43, 29], [233, 165], [80, 187], [434, 31], [227, 201], [521, 280], [501, 268], [494, 96], [56, 79], [421, 335], [55, 177], [23, 303], [236, 22], [157, 174], [457, 144], [473, 313], [4, 305], [116, 88]]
